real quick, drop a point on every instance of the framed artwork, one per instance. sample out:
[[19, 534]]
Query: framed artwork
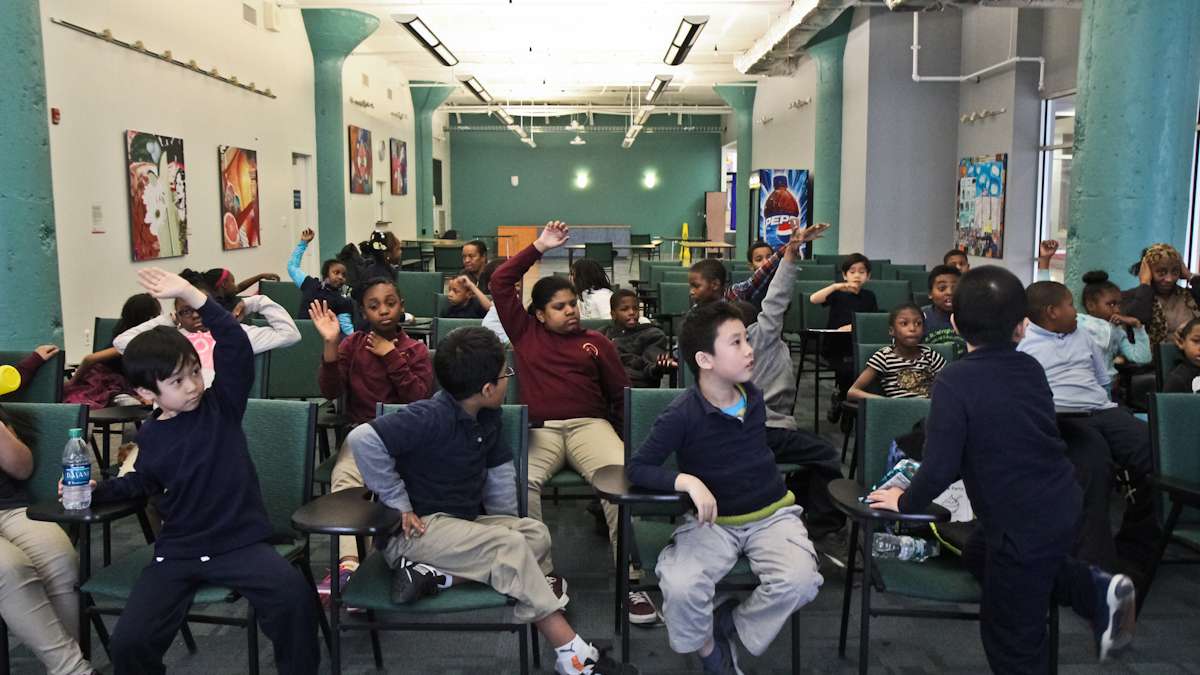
[[157, 195], [361, 167], [784, 204], [979, 228], [238, 178], [399, 156]]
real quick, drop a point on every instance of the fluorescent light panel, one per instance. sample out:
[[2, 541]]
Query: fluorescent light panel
[[657, 87], [417, 28], [685, 38], [477, 89]]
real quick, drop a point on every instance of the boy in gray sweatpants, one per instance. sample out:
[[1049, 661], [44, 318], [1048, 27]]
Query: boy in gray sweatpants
[[742, 507]]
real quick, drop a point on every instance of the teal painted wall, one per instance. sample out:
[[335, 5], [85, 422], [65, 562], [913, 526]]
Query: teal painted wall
[[482, 163]]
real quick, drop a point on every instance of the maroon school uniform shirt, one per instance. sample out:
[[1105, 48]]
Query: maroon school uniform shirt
[[404, 375], [561, 376]]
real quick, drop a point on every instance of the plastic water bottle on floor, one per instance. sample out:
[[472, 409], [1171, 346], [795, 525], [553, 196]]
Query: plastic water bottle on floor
[[77, 473], [903, 547]]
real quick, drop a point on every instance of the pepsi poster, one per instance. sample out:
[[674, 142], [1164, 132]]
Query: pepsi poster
[[784, 204]]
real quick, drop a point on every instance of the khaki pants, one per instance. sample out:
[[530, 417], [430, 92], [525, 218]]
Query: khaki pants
[[345, 475], [586, 445], [512, 555], [38, 572]]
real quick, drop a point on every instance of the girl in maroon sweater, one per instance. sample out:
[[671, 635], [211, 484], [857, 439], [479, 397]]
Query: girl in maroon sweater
[[383, 364], [571, 380]]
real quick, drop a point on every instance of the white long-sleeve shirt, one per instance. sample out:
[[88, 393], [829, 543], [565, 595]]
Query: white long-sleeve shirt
[[280, 331]]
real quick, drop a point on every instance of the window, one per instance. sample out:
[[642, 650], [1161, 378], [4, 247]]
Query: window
[[1054, 177]]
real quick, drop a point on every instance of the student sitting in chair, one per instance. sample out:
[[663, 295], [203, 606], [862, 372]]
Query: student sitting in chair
[[643, 347]]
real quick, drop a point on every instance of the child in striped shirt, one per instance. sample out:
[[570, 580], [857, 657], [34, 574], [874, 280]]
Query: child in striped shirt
[[905, 368]]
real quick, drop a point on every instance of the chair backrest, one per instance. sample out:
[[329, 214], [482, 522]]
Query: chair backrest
[[599, 251], [287, 294], [1173, 438], [441, 304], [895, 269], [514, 430], [419, 289], [1166, 356], [880, 420], [889, 294], [280, 436], [645, 268], [594, 324], [918, 279], [292, 371], [43, 427], [738, 276], [882, 270], [642, 407], [102, 333], [639, 239], [812, 316], [45, 386], [807, 271], [513, 394], [674, 298], [447, 259], [442, 327], [871, 327], [262, 370], [833, 259], [673, 276], [686, 378]]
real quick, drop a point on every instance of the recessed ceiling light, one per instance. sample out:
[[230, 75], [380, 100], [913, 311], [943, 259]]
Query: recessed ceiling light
[[578, 140]]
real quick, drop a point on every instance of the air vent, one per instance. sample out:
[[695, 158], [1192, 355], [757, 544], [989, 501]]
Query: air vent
[[250, 14]]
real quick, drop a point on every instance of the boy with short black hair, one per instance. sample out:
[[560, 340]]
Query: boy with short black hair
[[444, 464], [992, 423], [742, 507], [643, 347], [759, 253], [1098, 433], [943, 279], [844, 299], [958, 260], [465, 299], [215, 530]]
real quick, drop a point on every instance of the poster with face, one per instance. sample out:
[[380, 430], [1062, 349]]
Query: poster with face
[[238, 181], [157, 195], [361, 167], [399, 161]]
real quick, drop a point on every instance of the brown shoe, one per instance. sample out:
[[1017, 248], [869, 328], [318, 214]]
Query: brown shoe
[[641, 609]]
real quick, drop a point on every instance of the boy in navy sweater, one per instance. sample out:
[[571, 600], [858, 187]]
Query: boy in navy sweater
[[992, 423], [717, 429], [215, 529], [443, 463]]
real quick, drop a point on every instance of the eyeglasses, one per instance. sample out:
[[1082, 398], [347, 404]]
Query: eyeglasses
[[187, 311], [507, 372]]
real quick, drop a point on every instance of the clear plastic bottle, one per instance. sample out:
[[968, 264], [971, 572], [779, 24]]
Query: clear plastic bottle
[[77, 473], [903, 547]]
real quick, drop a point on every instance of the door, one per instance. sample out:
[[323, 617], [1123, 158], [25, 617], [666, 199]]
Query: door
[[302, 206]]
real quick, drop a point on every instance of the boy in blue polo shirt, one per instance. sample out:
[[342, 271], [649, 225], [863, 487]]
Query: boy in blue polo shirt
[[991, 422], [442, 462], [717, 430]]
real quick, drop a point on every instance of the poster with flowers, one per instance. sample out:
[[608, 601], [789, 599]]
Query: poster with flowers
[[157, 195], [238, 179], [399, 156], [360, 161]]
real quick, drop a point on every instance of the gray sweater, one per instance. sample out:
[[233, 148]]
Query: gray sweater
[[772, 358]]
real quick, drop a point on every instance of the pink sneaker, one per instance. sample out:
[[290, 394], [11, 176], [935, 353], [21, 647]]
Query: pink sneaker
[[325, 591]]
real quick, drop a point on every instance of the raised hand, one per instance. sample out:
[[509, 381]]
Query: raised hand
[[47, 352], [555, 234], [325, 321], [163, 285], [811, 232], [378, 345], [1047, 248], [307, 234]]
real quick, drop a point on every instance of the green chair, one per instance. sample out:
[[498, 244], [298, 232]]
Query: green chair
[[936, 580], [833, 259], [595, 324], [443, 326], [418, 290], [650, 537], [890, 294], [738, 276], [102, 333], [1173, 437], [447, 260], [46, 385], [881, 270], [411, 258], [441, 304], [806, 271], [813, 320], [673, 276], [894, 270], [1167, 355], [370, 587], [871, 327], [603, 253], [918, 280], [279, 436], [287, 294], [640, 240], [674, 301]]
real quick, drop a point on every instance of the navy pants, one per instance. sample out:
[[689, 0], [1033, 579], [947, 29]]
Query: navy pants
[[283, 600]]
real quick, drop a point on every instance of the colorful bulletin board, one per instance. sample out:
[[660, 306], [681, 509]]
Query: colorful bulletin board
[[979, 229]]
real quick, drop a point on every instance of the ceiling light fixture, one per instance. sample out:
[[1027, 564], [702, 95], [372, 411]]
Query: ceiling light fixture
[[417, 28], [578, 140], [504, 117], [471, 83], [657, 87], [685, 38], [643, 115]]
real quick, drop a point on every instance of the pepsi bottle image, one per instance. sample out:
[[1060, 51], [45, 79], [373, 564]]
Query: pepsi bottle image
[[781, 213]]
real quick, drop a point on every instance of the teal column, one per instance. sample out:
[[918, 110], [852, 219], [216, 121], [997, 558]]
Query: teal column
[[741, 99], [332, 35], [827, 49], [1135, 125], [30, 304], [426, 97]]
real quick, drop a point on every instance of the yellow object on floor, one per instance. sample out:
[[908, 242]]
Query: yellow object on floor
[[685, 256]]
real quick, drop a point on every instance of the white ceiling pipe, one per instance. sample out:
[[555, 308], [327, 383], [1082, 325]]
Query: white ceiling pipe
[[917, 77]]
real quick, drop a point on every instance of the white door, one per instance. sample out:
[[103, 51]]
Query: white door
[[302, 205]]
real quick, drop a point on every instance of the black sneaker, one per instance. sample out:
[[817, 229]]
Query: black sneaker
[[724, 634], [1116, 613], [413, 581], [835, 408], [722, 659]]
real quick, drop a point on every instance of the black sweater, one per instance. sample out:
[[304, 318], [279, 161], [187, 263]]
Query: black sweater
[[991, 422], [198, 460]]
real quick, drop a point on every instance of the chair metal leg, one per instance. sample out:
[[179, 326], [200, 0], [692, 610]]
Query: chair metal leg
[[335, 606], [848, 588], [1053, 670], [523, 649], [376, 650], [252, 638], [533, 641], [306, 570], [3, 648], [102, 633], [1168, 530], [796, 643], [185, 632], [864, 630]]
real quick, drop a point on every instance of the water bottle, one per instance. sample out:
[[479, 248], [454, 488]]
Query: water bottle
[[77, 473], [900, 547]]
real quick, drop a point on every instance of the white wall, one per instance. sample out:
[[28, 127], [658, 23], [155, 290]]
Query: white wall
[[103, 90], [786, 142]]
